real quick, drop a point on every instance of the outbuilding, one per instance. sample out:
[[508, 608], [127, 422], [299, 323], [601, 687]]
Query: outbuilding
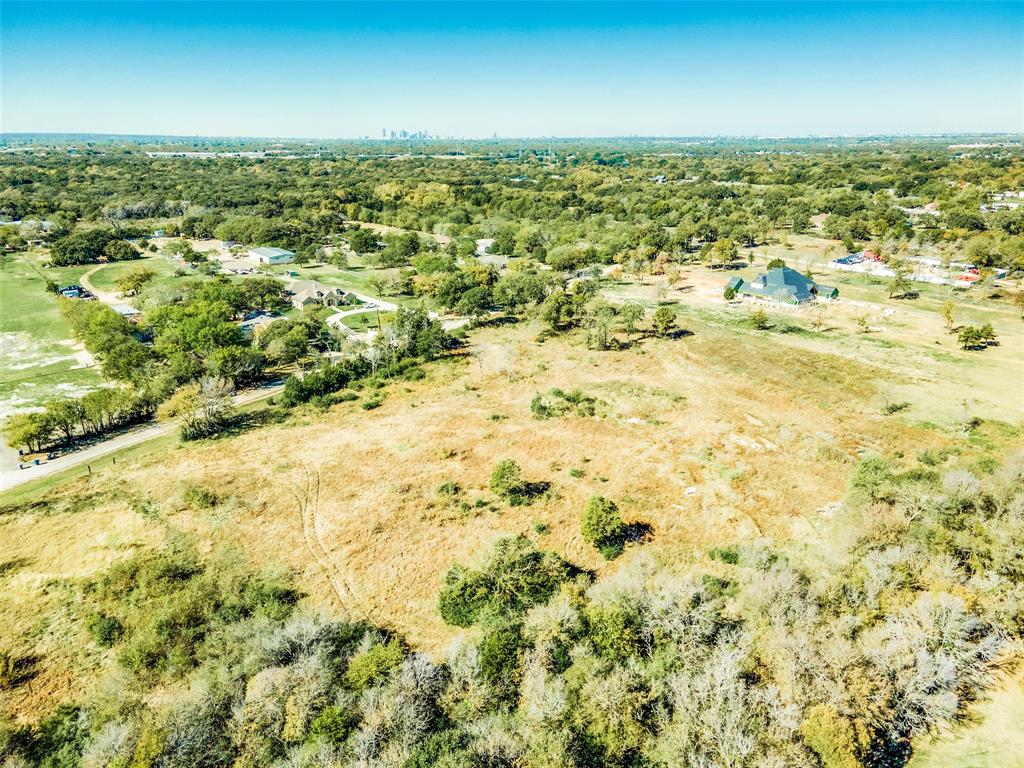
[[268, 255]]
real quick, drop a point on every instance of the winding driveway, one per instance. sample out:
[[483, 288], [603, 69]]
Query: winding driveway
[[107, 297]]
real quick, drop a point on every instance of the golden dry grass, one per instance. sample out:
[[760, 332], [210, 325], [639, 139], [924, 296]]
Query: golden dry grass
[[724, 435]]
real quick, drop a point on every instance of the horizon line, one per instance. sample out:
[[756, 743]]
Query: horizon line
[[562, 137]]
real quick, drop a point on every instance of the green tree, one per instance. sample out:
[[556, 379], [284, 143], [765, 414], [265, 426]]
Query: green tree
[[507, 480], [28, 430], [758, 320], [131, 283], [603, 527], [558, 311], [947, 313], [120, 250], [631, 313], [900, 284], [664, 321]]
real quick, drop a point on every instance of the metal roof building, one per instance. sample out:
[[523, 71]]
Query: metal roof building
[[267, 255]]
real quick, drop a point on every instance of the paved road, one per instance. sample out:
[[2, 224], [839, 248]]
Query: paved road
[[15, 477]]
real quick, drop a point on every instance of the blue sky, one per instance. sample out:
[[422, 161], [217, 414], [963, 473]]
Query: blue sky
[[515, 69]]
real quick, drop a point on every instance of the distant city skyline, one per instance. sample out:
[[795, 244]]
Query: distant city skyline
[[476, 70]]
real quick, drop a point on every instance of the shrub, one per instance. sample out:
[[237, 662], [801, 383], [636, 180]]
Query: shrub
[[333, 724], [603, 527], [728, 555], [891, 408], [448, 488], [664, 321], [758, 320], [500, 654], [372, 665], [507, 481], [105, 630], [516, 576], [559, 403], [873, 478], [464, 595], [199, 497]]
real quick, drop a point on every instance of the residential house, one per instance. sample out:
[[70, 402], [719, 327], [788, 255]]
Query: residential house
[[307, 293], [784, 285]]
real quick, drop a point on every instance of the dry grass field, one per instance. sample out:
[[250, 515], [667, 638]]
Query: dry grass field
[[723, 435]]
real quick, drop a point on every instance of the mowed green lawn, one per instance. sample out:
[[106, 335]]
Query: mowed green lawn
[[37, 359], [105, 278]]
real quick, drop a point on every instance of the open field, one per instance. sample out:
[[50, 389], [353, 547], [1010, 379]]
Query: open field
[[745, 533], [992, 737], [907, 337], [38, 356], [727, 434], [105, 278]]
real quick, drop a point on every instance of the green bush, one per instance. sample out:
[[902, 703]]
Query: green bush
[[515, 577], [728, 555], [500, 654], [463, 597], [603, 527], [333, 724], [758, 320], [507, 481], [831, 736], [872, 478], [199, 497], [169, 602], [373, 664], [558, 403], [105, 630], [448, 488]]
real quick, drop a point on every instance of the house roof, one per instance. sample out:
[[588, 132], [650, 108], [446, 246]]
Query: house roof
[[783, 284], [315, 288], [269, 252]]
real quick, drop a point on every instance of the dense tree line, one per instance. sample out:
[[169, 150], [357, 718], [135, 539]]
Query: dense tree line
[[90, 246]]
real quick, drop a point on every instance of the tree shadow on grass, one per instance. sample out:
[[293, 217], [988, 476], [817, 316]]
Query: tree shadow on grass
[[243, 422], [13, 565], [497, 322], [528, 493], [18, 670], [638, 532]]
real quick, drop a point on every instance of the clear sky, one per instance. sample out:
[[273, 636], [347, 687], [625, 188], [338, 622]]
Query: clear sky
[[515, 69]]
